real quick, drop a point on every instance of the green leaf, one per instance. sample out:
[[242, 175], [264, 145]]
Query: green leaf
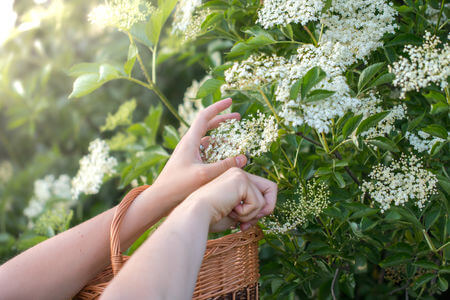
[[107, 72], [83, 68], [438, 108], [395, 260], [384, 143], [123, 116], [404, 39], [317, 95], [85, 84], [209, 87], [260, 40], [153, 121], [154, 26], [311, 79], [423, 280], [139, 33], [442, 284], [425, 264], [431, 217], [436, 130], [295, 89], [370, 122], [171, 137], [339, 179], [444, 183], [131, 59], [364, 213], [414, 123], [368, 74], [350, 125], [383, 79]]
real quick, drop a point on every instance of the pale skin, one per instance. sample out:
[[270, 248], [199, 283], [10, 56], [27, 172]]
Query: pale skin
[[59, 267]]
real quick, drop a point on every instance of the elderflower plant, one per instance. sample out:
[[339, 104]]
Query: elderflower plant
[[252, 136], [422, 141], [281, 12], [121, 14], [428, 63], [93, 168], [308, 204], [190, 106], [47, 191], [54, 221], [404, 180]]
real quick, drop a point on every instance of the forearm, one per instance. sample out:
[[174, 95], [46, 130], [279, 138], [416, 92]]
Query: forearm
[[62, 265], [167, 264]]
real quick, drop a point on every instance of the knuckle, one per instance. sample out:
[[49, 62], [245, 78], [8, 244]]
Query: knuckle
[[202, 174]]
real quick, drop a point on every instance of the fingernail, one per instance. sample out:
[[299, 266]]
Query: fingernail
[[241, 160]]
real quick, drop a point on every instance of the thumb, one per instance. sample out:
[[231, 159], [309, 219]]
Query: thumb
[[217, 168]]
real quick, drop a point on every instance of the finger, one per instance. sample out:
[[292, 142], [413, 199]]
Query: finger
[[269, 190], [218, 168], [252, 205], [204, 142], [200, 125], [215, 122], [247, 225]]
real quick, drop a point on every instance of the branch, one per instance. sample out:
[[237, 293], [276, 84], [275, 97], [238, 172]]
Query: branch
[[336, 153], [333, 283]]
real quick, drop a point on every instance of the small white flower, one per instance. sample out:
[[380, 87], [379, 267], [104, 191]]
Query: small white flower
[[422, 141], [93, 167], [426, 64], [252, 136], [404, 180], [292, 213], [122, 14]]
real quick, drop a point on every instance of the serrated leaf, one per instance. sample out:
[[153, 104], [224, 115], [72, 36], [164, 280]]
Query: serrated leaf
[[350, 125], [295, 89], [384, 143], [131, 59], [209, 87], [85, 84], [318, 95], [442, 284], [311, 79], [404, 39], [170, 137], [368, 74], [423, 280], [414, 123], [370, 122], [107, 72], [436, 130], [364, 213], [383, 79], [153, 120], [425, 264], [395, 260], [84, 68]]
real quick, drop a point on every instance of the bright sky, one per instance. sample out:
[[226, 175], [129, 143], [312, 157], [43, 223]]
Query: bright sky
[[7, 19]]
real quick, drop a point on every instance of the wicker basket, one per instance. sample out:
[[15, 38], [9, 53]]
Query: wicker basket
[[230, 267]]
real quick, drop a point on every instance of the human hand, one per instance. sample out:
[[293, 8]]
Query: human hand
[[185, 171], [236, 196]]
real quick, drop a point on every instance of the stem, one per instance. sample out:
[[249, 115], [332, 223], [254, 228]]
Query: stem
[[151, 84], [321, 32], [324, 142], [169, 106], [287, 158], [311, 35], [439, 17], [333, 283], [270, 106], [154, 63]]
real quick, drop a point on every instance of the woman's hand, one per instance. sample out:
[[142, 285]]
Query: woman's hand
[[236, 196], [185, 171]]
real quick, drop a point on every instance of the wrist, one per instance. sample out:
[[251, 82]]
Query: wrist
[[198, 206]]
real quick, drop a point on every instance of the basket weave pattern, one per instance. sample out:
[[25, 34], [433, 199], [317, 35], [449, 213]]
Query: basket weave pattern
[[230, 267]]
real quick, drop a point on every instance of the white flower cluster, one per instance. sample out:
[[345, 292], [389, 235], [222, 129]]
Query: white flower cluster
[[427, 64], [6, 172], [121, 14], [422, 141], [282, 12], [48, 189], [190, 106], [432, 14], [358, 25], [405, 179], [386, 125], [93, 167], [256, 71], [252, 136], [183, 14], [292, 213]]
